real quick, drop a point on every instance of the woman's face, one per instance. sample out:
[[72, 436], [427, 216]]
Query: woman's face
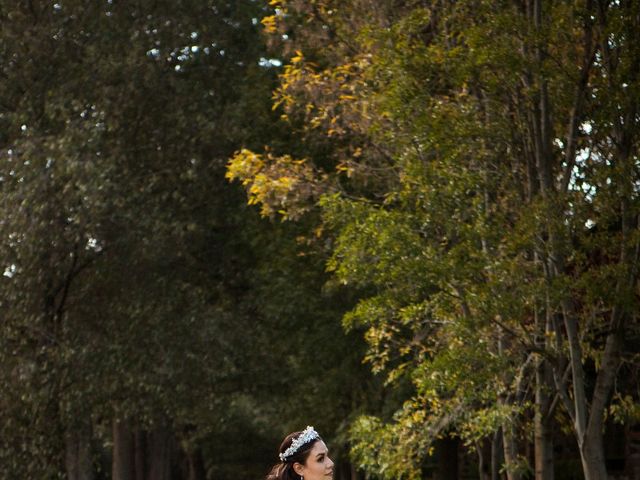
[[318, 465]]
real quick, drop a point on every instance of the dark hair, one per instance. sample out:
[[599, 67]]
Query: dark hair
[[284, 470]]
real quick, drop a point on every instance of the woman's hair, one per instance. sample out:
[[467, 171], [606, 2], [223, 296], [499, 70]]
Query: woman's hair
[[283, 470]]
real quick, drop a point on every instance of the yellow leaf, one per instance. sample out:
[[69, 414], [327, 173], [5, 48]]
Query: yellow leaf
[[269, 24], [298, 58]]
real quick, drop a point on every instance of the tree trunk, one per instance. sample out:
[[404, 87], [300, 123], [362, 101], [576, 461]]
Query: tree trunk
[[78, 454], [122, 466], [139, 453], [354, 472], [510, 453], [159, 451], [496, 455], [481, 462], [543, 445], [592, 456], [591, 443], [543, 435], [197, 469]]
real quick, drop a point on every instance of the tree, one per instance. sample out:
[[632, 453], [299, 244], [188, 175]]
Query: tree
[[495, 163], [112, 240]]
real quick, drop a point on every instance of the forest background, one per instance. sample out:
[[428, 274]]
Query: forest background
[[437, 265]]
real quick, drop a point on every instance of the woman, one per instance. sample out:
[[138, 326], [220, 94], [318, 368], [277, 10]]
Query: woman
[[303, 456]]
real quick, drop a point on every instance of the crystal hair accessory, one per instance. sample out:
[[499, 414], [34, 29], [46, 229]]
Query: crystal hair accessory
[[305, 437]]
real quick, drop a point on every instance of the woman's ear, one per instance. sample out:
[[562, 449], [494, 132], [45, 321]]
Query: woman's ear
[[298, 468]]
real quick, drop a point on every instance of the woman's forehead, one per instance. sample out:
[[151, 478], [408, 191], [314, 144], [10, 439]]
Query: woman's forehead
[[319, 447]]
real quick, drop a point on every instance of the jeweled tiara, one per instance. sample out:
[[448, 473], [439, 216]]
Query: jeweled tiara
[[305, 437]]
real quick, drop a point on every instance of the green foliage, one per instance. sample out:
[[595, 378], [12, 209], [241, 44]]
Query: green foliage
[[482, 199], [625, 410], [123, 262]]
